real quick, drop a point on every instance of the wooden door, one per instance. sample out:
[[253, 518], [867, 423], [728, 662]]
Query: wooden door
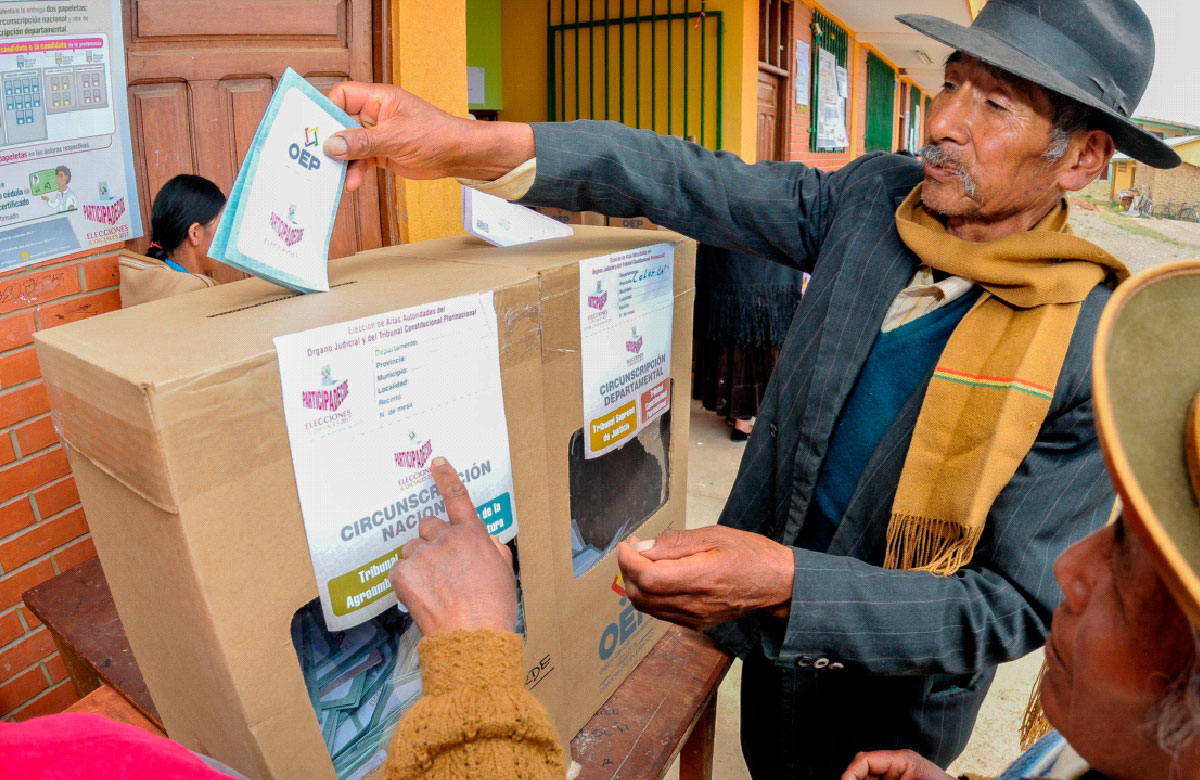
[[768, 116], [200, 77]]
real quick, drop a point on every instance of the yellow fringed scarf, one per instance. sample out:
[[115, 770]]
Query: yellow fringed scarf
[[994, 381]]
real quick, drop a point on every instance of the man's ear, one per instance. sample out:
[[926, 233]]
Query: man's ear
[[1086, 158]]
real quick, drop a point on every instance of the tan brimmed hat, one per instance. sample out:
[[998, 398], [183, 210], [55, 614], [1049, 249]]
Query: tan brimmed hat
[[1147, 401]]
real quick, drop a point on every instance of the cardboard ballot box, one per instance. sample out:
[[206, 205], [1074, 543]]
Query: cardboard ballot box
[[605, 499], [172, 417], [171, 414]]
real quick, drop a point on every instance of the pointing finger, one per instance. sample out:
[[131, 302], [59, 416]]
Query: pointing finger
[[459, 507]]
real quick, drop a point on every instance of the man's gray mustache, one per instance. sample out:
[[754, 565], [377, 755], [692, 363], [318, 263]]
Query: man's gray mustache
[[936, 155]]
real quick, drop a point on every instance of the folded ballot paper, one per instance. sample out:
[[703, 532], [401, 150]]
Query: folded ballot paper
[[279, 216], [360, 681], [501, 223]]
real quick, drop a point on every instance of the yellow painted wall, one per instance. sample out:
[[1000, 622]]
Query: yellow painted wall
[[1189, 152], [524, 35], [429, 58]]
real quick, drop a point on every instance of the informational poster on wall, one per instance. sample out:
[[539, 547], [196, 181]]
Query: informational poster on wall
[[66, 166], [831, 108], [802, 79], [626, 308], [368, 405]]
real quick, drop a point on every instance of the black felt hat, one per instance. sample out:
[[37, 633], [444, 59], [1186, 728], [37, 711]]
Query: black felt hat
[[1098, 52]]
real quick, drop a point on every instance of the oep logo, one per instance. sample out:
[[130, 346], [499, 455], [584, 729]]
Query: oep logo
[[626, 625], [301, 155]]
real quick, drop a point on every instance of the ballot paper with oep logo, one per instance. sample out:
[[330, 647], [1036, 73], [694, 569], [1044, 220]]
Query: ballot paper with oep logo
[[279, 217], [368, 404], [626, 310]]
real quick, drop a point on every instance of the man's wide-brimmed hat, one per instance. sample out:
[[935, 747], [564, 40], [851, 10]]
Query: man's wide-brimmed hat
[[1146, 374], [1098, 52]]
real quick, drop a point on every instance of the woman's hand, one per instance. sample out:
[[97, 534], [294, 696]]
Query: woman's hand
[[456, 576]]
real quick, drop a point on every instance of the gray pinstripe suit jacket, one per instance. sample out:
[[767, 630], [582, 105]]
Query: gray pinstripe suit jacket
[[870, 658]]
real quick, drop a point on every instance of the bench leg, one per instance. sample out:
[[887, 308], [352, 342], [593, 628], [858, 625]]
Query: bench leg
[[696, 758]]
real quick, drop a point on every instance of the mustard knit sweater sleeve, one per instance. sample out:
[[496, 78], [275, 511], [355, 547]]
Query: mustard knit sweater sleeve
[[474, 719]]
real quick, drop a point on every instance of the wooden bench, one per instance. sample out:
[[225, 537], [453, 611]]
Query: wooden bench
[[665, 708]]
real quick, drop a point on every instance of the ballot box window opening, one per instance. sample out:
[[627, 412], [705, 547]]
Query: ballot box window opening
[[615, 493], [362, 680]]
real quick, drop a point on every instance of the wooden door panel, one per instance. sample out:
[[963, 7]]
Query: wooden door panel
[[163, 142], [768, 116], [184, 18], [246, 100], [201, 76]]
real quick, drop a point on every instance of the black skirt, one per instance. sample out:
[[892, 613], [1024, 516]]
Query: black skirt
[[744, 307]]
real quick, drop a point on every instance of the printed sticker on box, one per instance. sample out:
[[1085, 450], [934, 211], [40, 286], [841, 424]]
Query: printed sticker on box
[[626, 309], [368, 404]]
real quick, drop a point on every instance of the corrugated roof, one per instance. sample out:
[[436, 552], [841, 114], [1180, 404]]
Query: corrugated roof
[[1171, 142]]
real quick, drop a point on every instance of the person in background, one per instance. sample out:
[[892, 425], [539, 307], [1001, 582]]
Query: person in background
[[183, 221], [474, 720], [744, 307], [1122, 680]]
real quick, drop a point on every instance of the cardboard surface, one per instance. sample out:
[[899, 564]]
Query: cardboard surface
[[172, 419]]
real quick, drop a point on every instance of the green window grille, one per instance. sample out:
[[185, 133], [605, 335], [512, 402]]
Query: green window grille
[[655, 64], [881, 104], [828, 35]]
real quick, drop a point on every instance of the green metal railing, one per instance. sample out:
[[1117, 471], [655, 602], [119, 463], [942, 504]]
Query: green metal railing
[[688, 37], [827, 35], [881, 103]]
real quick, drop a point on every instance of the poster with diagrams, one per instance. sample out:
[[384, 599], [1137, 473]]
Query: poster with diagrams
[[66, 165]]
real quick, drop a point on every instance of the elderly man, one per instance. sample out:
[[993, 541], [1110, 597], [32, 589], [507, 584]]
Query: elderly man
[[925, 450], [1122, 683]]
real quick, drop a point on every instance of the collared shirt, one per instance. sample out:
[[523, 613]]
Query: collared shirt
[[922, 295]]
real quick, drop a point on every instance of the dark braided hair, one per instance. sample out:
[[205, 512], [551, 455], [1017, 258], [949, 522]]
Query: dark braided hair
[[183, 201]]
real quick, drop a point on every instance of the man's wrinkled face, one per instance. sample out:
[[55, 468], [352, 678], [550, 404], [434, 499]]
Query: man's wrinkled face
[[1117, 643], [988, 132]]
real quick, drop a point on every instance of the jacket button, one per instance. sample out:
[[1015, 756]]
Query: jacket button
[[804, 662], [836, 665], [821, 663], [774, 431]]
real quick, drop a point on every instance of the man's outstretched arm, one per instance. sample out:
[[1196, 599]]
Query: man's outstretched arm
[[779, 211]]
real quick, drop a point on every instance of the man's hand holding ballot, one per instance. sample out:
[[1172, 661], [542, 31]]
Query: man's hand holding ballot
[[417, 140], [707, 576]]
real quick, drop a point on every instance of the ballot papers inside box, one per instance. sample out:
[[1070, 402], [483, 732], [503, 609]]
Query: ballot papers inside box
[[361, 681]]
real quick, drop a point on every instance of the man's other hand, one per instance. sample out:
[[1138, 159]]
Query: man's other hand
[[893, 765], [417, 140], [454, 575], [706, 576]]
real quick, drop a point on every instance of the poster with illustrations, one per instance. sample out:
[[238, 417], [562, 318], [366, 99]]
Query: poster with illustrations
[[831, 112], [66, 165]]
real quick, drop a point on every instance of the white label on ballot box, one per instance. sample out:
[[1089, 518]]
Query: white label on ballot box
[[368, 405], [626, 316]]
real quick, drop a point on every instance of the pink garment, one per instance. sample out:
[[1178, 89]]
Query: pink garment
[[72, 745]]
